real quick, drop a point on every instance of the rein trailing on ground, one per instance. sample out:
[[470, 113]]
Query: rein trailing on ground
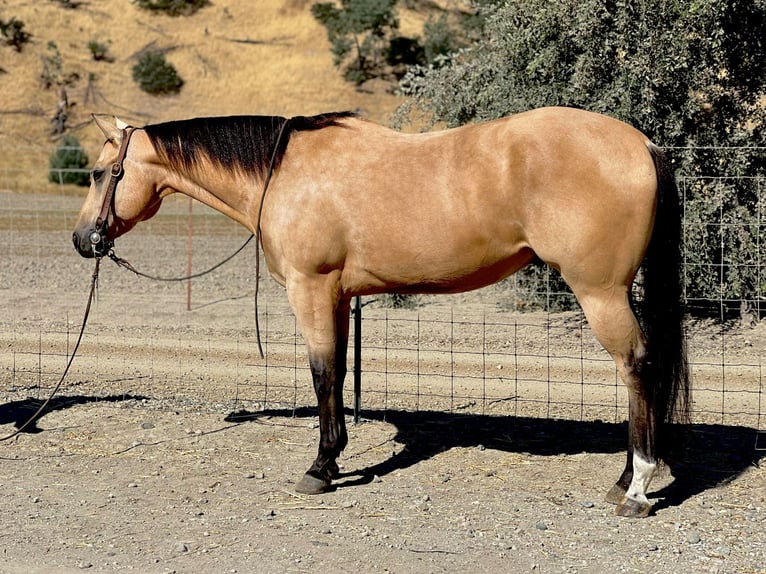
[[46, 402]]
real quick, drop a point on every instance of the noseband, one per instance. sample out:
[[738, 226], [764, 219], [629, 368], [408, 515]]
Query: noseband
[[98, 237]]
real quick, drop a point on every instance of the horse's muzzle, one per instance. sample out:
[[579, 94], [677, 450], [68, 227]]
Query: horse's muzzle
[[91, 243]]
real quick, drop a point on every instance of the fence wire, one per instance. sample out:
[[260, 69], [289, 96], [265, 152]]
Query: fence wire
[[475, 354]]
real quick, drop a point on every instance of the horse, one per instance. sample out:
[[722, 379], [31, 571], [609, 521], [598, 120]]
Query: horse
[[343, 206]]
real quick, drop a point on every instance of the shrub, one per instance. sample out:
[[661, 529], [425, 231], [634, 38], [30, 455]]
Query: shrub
[[173, 7], [155, 75], [69, 163], [14, 34], [439, 39], [358, 31], [99, 51], [71, 4], [398, 301]]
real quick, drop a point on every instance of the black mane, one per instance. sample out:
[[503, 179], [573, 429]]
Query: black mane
[[243, 143]]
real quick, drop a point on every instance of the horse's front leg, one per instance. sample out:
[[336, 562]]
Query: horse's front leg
[[324, 323]]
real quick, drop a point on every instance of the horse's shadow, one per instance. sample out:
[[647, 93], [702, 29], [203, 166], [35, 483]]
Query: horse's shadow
[[22, 413], [712, 454]]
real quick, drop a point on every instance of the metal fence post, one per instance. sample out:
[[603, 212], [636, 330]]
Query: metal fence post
[[357, 357]]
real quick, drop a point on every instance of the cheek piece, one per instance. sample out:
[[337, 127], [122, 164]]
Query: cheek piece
[[99, 240]]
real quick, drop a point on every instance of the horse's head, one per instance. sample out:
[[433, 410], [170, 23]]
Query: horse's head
[[123, 190]]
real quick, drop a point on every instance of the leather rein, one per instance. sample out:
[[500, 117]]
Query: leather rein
[[102, 245], [99, 237]]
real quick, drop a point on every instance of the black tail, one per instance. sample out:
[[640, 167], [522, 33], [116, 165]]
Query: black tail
[[662, 312]]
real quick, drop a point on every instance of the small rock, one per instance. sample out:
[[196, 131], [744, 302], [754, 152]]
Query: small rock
[[85, 565], [693, 537], [723, 550], [587, 504], [541, 526], [181, 547], [146, 425]]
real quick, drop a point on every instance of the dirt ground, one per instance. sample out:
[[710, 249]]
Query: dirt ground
[[158, 457]]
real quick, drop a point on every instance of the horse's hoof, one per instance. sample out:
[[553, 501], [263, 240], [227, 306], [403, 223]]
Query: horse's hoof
[[311, 484], [616, 494], [631, 508]]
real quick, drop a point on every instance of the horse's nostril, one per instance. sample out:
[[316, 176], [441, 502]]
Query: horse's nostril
[[83, 247]]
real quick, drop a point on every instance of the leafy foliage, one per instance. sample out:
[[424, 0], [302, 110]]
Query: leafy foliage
[[366, 43], [99, 51], [398, 301], [14, 33], [689, 73], [155, 75], [358, 28], [173, 7], [70, 4], [68, 163]]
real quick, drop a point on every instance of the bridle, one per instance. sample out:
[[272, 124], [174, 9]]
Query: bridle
[[102, 245], [99, 239]]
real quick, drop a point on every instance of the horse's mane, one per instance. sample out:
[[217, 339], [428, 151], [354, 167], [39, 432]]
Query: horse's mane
[[243, 143]]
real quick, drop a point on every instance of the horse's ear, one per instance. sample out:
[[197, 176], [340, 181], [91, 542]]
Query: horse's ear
[[112, 132], [120, 124]]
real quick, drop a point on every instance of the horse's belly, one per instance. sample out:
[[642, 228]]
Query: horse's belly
[[448, 271]]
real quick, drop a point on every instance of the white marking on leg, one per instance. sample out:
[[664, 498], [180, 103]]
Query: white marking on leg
[[643, 470]]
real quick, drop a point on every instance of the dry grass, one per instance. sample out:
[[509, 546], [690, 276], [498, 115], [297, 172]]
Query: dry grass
[[236, 57]]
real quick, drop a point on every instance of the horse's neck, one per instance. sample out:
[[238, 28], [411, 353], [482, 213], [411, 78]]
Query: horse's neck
[[233, 195]]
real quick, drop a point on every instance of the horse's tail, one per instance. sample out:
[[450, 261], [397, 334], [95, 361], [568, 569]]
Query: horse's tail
[[662, 312]]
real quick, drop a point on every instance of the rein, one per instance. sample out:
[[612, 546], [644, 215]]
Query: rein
[[41, 408], [259, 233], [100, 235]]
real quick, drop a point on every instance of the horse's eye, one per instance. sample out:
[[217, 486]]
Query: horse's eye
[[98, 175]]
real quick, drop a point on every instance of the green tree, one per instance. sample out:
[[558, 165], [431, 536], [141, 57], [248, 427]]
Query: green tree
[[366, 43], [690, 73], [155, 75], [358, 31], [69, 163]]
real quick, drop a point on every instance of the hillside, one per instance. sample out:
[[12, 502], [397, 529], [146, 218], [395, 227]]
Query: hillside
[[236, 57]]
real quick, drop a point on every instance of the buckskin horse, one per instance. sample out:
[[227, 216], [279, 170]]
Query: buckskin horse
[[343, 207]]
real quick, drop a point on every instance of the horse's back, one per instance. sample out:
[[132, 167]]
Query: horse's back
[[462, 208]]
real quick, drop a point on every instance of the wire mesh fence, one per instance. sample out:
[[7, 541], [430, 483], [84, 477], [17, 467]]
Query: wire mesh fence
[[483, 353]]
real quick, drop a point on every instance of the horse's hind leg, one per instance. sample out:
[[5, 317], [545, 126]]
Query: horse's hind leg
[[614, 324]]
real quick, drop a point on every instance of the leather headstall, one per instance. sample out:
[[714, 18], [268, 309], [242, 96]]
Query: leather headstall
[[98, 237]]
